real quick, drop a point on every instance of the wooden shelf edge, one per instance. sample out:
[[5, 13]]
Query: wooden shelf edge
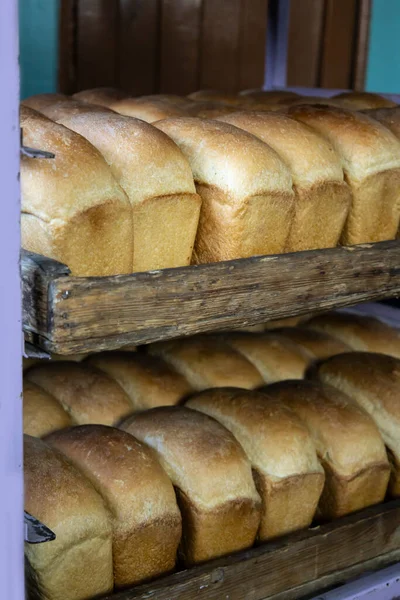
[[291, 567]]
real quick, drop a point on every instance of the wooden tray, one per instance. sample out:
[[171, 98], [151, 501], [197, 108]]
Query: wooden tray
[[64, 314], [292, 567]]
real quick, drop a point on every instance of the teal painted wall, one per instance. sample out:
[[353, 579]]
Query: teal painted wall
[[38, 24], [383, 70]]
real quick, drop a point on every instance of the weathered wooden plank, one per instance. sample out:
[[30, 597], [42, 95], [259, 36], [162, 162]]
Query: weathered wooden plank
[[292, 566], [252, 43], [304, 45], [139, 46], [66, 52], [180, 46], [361, 57]]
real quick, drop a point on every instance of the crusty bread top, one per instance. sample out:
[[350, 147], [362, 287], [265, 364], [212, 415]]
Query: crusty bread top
[[362, 100], [103, 96], [272, 96], [320, 345], [145, 161], [148, 110], [78, 178], [345, 436], [366, 146], [147, 380], [60, 110], [373, 381], [216, 96], [123, 470], [199, 455], [209, 110], [229, 158], [171, 98], [41, 101], [62, 498], [87, 394], [310, 157], [390, 117], [274, 439], [206, 362], [358, 332], [42, 413]]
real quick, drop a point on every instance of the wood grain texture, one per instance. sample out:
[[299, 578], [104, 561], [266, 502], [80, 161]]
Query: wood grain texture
[[66, 52], [305, 42], [97, 45], [219, 55], [361, 56], [252, 43], [339, 37], [93, 314], [139, 46], [288, 568], [180, 46]]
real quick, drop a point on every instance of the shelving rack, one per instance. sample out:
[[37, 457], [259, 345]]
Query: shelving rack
[[227, 294]]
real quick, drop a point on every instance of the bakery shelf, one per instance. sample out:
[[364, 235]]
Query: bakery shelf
[[292, 567], [64, 314]]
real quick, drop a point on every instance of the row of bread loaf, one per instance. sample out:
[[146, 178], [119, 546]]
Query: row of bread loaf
[[123, 195], [246, 466]]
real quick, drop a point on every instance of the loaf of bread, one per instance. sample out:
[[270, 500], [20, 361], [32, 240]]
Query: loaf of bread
[[216, 96], [358, 332], [275, 357], [269, 96], [85, 393], [246, 189], [288, 322], [78, 564], [206, 362], [149, 110], [73, 210], [60, 110], [371, 162], [348, 444], [373, 381], [320, 345], [40, 102], [147, 380], [321, 195], [146, 521], [287, 473], [390, 117], [216, 493], [363, 100], [158, 181], [182, 101], [42, 413], [103, 96], [209, 110]]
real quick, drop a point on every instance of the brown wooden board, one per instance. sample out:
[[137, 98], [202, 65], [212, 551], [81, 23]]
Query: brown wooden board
[[361, 58], [66, 53], [72, 315], [252, 43], [291, 567]]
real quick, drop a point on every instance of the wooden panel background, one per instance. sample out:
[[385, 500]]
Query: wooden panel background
[[178, 46]]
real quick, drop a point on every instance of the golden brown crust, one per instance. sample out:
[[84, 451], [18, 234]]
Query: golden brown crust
[[138, 493], [217, 495], [320, 345], [101, 96], [283, 457], [206, 362], [42, 101], [41, 412], [245, 187], [363, 100], [270, 96], [60, 110], [147, 380], [361, 333], [348, 444], [86, 394], [209, 110], [78, 563], [216, 96], [390, 117], [72, 206], [149, 110]]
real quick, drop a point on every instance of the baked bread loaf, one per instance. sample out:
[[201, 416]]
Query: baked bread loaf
[[390, 117], [275, 357], [269, 96], [216, 493], [209, 110], [78, 564], [42, 413], [321, 195], [371, 163], [85, 393], [216, 96], [60, 110], [246, 189], [158, 181], [363, 100], [373, 381], [320, 345], [358, 332], [206, 362], [348, 444], [40, 102], [73, 210], [286, 470], [103, 96], [170, 98], [149, 110], [146, 521], [147, 380], [288, 322]]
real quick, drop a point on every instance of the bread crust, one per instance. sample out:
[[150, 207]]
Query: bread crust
[[41, 412]]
